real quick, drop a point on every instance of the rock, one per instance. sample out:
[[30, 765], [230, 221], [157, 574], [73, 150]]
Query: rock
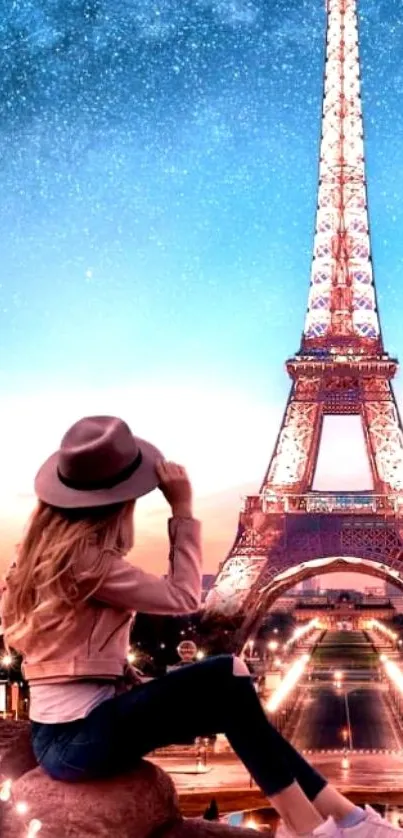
[[141, 804], [9, 729], [17, 756], [133, 805]]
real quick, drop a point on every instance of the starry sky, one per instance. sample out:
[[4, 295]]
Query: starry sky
[[158, 173]]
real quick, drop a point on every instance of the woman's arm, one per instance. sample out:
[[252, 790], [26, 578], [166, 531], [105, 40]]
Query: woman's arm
[[130, 588]]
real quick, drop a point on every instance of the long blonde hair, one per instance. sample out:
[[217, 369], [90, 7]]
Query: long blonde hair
[[42, 590]]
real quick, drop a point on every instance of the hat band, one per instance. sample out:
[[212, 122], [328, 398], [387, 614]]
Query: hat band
[[106, 483]]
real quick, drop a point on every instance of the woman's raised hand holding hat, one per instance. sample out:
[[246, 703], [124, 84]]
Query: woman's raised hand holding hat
[[176, 488]]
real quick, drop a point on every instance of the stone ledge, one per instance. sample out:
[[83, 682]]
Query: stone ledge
[[140, 804], [132, 805], [17, 756]]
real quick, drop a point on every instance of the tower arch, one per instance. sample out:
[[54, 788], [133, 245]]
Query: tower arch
[[287, 579]]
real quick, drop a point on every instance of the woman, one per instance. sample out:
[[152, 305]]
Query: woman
[[68, 607]]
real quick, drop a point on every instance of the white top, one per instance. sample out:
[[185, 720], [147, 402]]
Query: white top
[[59, 703]]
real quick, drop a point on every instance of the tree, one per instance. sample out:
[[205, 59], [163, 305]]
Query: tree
[[216, 633]]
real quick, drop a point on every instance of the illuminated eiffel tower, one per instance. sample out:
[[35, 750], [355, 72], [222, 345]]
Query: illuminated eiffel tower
[[340, 368]]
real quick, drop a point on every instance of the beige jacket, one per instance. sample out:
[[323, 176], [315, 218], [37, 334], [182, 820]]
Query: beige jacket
[[96, 644]]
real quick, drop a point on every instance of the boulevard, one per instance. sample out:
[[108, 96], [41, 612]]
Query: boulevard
[[344, 720], [357, 715]]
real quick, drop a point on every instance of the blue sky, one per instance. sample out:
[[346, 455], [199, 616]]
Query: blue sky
[[157, 197]]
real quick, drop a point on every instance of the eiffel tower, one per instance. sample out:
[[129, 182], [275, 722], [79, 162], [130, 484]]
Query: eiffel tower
[[341, 368]]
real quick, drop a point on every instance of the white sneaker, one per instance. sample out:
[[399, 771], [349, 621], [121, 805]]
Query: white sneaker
[[325, 830], [373, 826], [329, 829]]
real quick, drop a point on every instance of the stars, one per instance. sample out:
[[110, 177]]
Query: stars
[[150, 140]]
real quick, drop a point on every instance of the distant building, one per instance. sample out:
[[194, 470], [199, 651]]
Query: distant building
[[343, 609], [374, 590], [310, 585], [392, 591], [395, 596], [284, 603]]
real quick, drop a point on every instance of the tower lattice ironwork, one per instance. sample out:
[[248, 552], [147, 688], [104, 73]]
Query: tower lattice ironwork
[[340, 368]]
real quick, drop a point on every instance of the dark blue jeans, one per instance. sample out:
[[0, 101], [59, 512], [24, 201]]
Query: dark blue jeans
[[195, 700]]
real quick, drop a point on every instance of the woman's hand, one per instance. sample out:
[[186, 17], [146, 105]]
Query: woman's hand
[[176, 488], [132, 675]]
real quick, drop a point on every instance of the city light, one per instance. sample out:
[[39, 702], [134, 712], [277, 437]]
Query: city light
[[5, 791], [377, 626], [7, 660], [251, 824], [272, 646], [21, 808], [302, 632], [288, 683], [393, 671], [247, 650], [34, 827]]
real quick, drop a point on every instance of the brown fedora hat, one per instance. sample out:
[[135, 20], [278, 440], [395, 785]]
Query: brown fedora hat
[[99, 462]]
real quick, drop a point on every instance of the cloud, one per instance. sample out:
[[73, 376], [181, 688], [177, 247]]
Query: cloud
[[223, 438], [218, 512]]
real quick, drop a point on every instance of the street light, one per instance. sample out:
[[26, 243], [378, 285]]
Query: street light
[[251, 824], [7, 660], [288, 683], [201, 753], [5, 791], [272, 646], [131, 657]]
